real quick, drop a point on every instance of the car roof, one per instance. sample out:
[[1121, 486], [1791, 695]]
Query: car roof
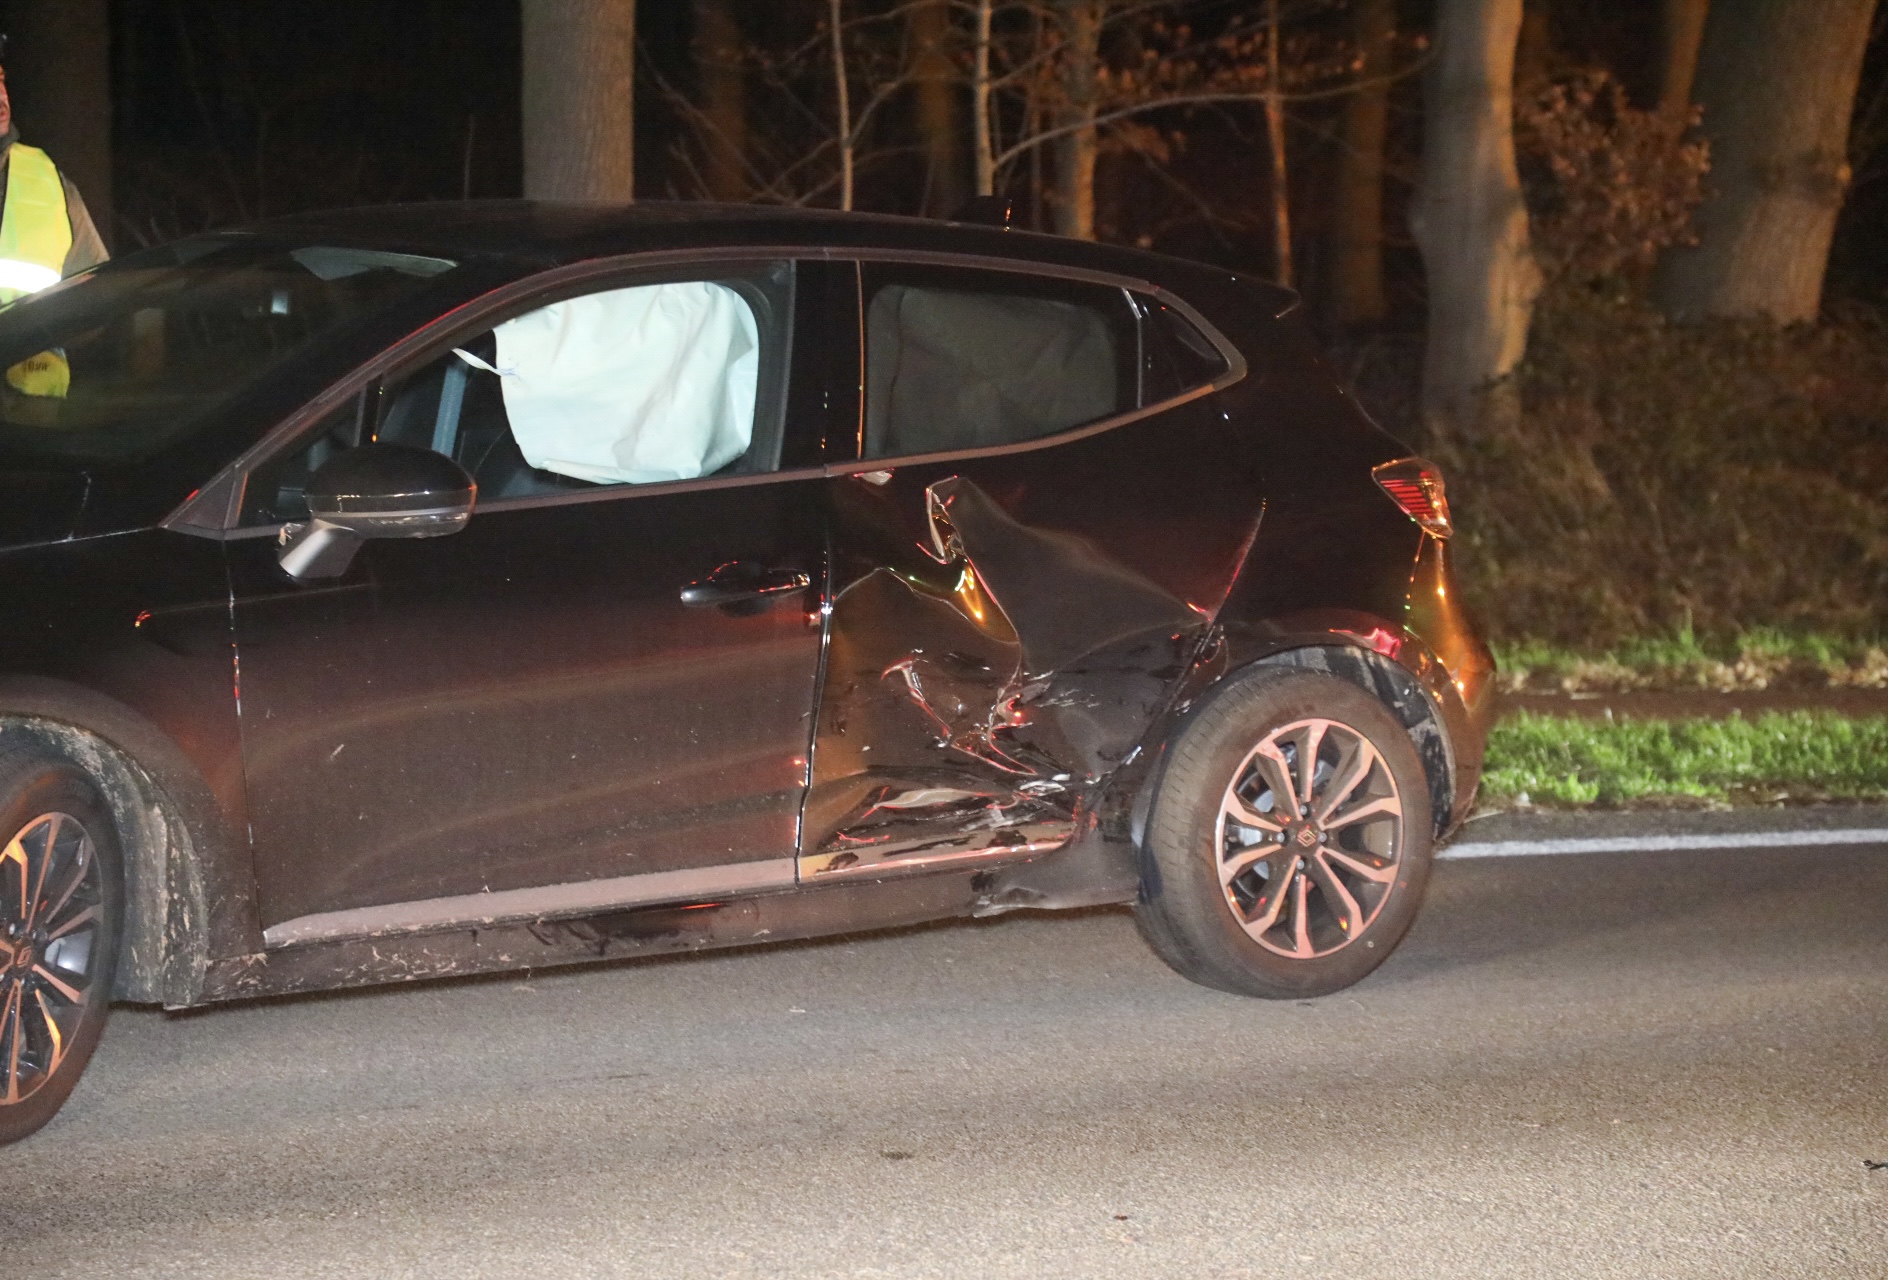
[[551, 233]]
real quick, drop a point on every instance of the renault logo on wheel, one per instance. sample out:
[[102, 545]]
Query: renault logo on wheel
[[1306, 837]]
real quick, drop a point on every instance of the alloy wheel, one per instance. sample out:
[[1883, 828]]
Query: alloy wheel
[[1308, 838], [51, 910]]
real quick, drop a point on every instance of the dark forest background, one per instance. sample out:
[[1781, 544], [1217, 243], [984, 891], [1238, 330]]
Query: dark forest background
[[225, 111]]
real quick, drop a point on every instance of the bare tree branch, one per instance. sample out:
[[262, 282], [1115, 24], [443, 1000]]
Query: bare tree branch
[[1201, 99]]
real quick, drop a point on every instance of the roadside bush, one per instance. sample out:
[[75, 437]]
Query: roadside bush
[[1718, 477], [1766, 658], [1663, 479]]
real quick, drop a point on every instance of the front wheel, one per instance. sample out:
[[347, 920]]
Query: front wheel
[[61, 901], [1290, 840]]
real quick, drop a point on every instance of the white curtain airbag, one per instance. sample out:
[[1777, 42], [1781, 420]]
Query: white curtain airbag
[[632, 386]]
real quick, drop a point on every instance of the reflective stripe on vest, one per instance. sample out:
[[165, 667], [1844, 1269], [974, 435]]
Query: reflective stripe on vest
[[35, 231]]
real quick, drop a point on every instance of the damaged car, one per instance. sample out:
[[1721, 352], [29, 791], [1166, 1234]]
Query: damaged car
[[437, 590]]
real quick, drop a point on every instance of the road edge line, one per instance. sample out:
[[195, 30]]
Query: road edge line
[[1666, 844]]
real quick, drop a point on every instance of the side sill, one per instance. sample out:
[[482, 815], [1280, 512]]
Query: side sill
[[542, 902], [1088, 872], [933, 854]]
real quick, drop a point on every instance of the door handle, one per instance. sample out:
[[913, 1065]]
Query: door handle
[[741, 580]]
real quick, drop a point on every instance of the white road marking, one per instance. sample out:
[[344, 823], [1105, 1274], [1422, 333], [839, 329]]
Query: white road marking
[[1666, 844]]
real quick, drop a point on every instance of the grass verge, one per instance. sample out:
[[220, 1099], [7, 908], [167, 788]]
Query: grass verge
[[1774, 758], [1763, 658]]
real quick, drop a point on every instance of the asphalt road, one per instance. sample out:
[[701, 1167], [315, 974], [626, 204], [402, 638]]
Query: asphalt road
[[1634, 1065]]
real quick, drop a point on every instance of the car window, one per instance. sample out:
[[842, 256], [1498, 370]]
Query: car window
[[1175, 356], [960, 359], [639, 384], [115, 365]]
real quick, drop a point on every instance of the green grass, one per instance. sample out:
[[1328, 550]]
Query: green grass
[[1799, 755], [1764, 657]]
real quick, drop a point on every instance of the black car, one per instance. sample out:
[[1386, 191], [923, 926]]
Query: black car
[[435, 590]]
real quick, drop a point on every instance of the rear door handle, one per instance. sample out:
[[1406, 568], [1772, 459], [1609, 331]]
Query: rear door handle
[[741, 580]]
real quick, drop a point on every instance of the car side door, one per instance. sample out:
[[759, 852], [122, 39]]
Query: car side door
[[1028, 553], [597, 694]]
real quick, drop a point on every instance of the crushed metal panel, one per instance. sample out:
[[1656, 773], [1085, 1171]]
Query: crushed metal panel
[[983, 679]]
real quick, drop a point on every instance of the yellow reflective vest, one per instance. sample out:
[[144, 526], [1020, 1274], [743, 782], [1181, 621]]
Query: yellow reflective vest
[[35, 236], [35, 230]]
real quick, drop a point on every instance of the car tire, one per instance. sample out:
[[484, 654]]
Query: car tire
[[1249, 889], [61, 904]]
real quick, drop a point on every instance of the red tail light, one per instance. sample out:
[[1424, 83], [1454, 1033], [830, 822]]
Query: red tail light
[[1415, 484]]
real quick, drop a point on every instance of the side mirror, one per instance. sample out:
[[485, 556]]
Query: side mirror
[[375, 491]]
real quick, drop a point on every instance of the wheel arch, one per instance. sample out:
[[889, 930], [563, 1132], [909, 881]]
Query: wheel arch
[[167, 820], [1406, 699], [1412, 684]]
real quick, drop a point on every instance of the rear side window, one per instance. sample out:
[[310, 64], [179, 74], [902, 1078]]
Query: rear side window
[[961, 359], [1175, 356]]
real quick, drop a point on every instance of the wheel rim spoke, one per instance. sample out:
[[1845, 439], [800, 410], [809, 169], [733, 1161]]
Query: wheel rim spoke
[[1272, 762], [1298, 893], [47, 851], [1382, 806], [59, 984], [1357, 762], [1279, 889], [1232, 868], [11, 1027], [1308, 764], [85, 917], [1300, 919], [82, 865], [1350, 914], [48, 983], [58, 1049], [1357, 866], [17, 853], [1245, 815]]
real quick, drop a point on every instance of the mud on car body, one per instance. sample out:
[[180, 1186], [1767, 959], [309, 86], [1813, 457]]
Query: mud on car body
[[429, 591]]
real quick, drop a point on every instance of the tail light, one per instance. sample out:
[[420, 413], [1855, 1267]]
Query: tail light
[[1415, 484]]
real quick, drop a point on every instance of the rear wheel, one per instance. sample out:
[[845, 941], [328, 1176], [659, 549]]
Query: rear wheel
[[1290, 841], [61, 900]]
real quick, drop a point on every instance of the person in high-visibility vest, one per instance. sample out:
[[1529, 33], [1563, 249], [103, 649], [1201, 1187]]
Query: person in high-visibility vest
[[46, 234]]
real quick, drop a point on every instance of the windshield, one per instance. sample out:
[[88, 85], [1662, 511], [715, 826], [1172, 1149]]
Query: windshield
[[112, 366]]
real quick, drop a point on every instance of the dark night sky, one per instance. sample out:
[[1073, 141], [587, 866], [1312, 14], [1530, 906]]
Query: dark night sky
[[250, 109]]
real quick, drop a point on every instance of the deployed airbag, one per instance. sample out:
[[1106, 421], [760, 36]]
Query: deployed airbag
[[632, 386]]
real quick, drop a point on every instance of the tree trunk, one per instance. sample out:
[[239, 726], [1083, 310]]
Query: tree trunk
[[1683, 33], [983, 143], [1080, 36], [59, 81], [935, 82], [1777, 81], [836, 19], [1468, 216], [1357, 296], [579, 99], [718, 47], [1275, 141], [1534, 50]]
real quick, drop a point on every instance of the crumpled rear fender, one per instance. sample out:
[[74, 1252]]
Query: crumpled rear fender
[[1446, 709], [986, 681]]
